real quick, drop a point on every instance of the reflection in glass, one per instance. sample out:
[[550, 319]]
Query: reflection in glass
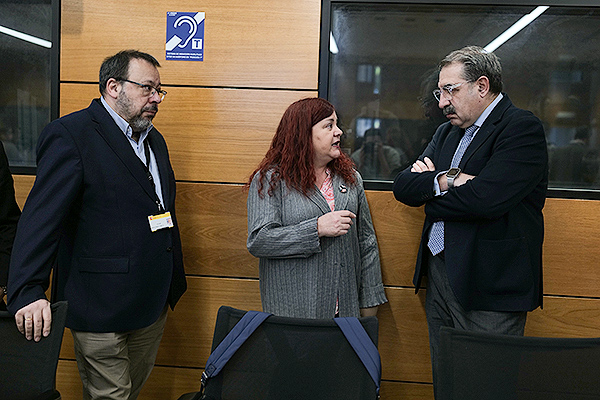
[[26, 77], [383, 75]]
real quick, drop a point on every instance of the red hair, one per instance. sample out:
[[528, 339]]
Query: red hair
[[291, 153]]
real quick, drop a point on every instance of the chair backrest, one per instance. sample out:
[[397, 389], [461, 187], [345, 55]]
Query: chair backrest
[[486, 366], [292, 358], [28, 368]]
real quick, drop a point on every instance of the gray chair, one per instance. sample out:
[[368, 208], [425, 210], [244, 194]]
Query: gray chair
[[28, 368], [484, 366]]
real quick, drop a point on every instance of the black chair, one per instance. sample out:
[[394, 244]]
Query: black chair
[[290, 359], [486, 366], [28, 368]]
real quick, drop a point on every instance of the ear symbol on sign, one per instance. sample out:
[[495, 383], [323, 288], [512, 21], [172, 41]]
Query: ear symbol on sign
[[192, 31]]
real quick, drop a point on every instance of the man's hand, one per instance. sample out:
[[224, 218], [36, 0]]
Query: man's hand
[[423, 166], [335, 223], [34, 320]]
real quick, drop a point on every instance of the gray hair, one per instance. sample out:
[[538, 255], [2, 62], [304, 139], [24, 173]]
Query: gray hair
[[477, 62], [117, 66]]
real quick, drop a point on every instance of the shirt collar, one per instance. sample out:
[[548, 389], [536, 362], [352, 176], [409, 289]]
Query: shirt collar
[[122, 124], [488, 110]]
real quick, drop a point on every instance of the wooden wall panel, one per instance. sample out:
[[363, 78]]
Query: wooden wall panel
[[68, 382], [405, 391], [398, 228], [403, 337], [218, 120], [217, 135], [189, 330], [565, 317], [23, 184], [213, 226], [571, 250], [267, 43]]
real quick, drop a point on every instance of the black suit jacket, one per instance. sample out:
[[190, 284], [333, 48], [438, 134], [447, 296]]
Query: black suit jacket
[[9, 216], [494, 225], [87, 216]]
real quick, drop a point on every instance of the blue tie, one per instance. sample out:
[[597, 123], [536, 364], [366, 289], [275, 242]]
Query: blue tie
[[436, 235]]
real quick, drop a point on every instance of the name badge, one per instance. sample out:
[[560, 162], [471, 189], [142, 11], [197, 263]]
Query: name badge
[[160, 221]]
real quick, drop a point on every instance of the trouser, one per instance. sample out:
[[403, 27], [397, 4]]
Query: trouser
[[443, 309], [115, 366]]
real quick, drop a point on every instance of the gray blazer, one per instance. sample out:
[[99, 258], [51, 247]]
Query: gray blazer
[[301, 275]]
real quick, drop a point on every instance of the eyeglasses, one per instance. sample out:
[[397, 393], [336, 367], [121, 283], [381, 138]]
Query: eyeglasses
[[148, 89], [446, 91]]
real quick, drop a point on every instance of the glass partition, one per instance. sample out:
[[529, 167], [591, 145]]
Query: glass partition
[[26, 64], [379, 69]]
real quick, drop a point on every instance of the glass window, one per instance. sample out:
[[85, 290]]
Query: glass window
[[25, 63], [381, 71]]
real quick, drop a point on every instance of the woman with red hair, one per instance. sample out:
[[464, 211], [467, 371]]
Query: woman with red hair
[[310, 224]]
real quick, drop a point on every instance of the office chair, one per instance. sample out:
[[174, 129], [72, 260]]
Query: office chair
[[486, 366], [291, 359], [28, 368]]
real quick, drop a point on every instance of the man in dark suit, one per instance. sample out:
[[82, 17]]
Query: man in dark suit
[[101, 213], [9, 216], [483, 181]]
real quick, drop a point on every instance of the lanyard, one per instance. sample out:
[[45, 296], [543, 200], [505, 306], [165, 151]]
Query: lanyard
[[149, 174]]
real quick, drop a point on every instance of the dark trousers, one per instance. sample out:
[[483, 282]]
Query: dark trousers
[[443, 309]]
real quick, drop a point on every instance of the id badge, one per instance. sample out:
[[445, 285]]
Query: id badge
[[160, 221]]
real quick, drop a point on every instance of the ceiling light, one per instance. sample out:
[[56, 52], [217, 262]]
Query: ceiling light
[[25, 37], [513, 30]]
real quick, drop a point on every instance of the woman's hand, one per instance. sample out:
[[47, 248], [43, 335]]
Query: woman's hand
[[335, 223]]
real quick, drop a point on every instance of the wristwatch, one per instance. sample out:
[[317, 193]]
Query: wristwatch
[[451, 175]]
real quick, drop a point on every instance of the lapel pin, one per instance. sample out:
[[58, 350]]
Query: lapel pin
[[343, 189]]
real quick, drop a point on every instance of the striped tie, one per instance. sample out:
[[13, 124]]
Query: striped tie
[[436, 236]]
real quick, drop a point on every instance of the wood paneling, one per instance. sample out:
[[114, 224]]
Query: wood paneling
[[398, 228], [405, 391], [68, 382], [571, 250], [213, 226], [219, 130], [267, 43], [189, 330], [403, 337], [216, 135], [565, 317], [23, 185]]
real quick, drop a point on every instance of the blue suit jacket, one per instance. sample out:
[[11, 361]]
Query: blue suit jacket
[[87, 217], [494, 226]]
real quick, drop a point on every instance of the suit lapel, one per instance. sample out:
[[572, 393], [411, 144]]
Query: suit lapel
[[161, 156], [485, 132], [116, 140], [317, 197]]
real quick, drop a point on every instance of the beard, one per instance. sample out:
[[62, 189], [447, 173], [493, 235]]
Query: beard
[[136, 120]]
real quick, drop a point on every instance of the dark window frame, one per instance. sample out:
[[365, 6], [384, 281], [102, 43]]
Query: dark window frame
[[324, 67]]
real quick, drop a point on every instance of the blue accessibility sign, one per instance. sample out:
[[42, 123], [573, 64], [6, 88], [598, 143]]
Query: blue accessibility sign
[[185, 36]]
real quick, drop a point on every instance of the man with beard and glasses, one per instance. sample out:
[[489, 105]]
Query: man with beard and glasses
[[101, 214], [483, 181]]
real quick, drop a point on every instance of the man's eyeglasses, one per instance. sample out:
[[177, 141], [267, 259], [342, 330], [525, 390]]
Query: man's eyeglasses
[[148, 89], [446, 91]]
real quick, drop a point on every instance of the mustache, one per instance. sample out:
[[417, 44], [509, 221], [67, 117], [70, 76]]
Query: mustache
[[151, 107], [449, 109]]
